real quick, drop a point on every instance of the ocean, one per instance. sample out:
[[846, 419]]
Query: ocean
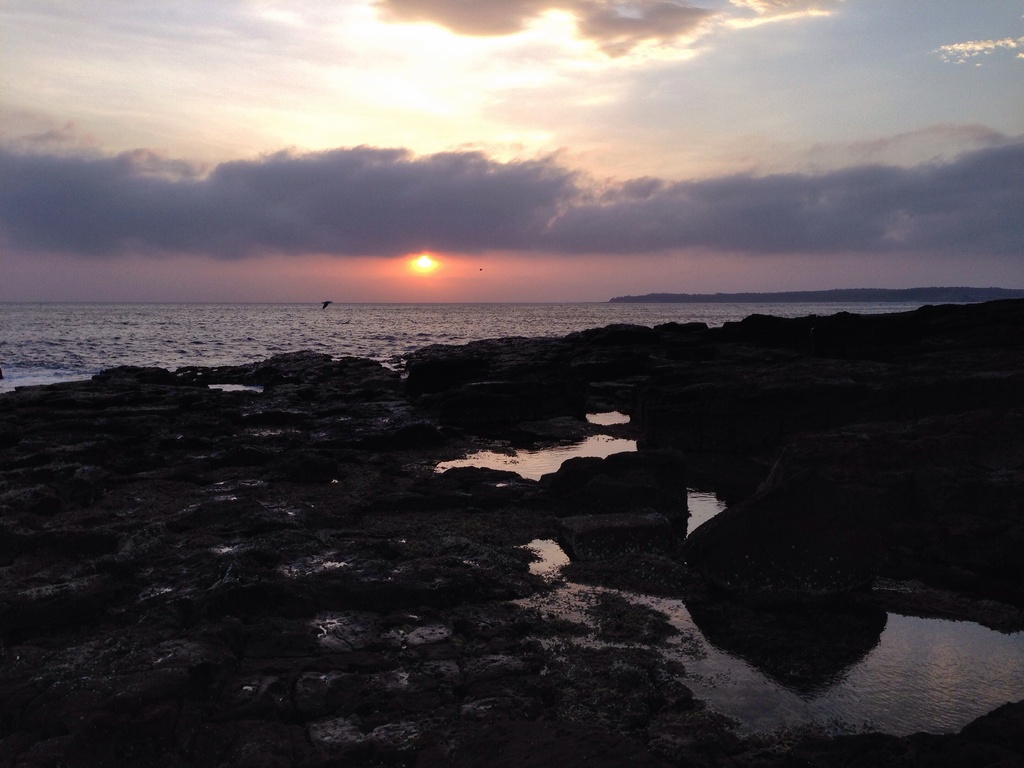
[[46, 343]]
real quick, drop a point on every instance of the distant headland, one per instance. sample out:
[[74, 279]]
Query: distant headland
[[926, 295]]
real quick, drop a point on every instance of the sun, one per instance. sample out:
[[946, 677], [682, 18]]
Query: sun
[[424, 264]]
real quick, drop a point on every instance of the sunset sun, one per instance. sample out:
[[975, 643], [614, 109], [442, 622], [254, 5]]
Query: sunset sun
[[424, 264]]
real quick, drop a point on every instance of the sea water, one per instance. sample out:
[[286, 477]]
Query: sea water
[[48, 343]]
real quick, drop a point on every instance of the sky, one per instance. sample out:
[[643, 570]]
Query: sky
[[531, 150]]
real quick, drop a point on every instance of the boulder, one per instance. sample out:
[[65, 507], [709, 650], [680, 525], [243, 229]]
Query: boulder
[[623, 482], [938, 498], [798, 540]]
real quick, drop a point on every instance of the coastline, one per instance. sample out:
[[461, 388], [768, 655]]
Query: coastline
[[958, 295], [279, 576]]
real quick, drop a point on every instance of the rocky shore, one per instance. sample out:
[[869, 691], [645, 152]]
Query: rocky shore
[[259, 565]]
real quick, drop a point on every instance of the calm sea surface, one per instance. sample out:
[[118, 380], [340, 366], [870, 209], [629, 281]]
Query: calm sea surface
[[47, 343]]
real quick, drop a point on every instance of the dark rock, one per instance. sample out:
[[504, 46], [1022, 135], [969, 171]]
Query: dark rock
[[307, 466], [136, 375], [617, 335], [599, 537], [522, 380], [9, 438], [800, 539], [623, 482], [427, 377], [905, 490], [639, 572], [1003, 727], [538, 744], [922, 749], [279, 577], [478, 487], [765, 384], [621, 621], [506, 403]]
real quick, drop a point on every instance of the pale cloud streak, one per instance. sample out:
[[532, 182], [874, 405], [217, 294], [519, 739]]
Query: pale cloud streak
[[772, 11], [961, 53]]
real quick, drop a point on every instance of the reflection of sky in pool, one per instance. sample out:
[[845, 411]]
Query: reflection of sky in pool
[[533, 464], [236, 387], [703, 506], [607, 418], [927, 675]]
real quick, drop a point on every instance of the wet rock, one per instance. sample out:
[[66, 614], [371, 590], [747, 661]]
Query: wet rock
[[432, 375], [599, 537], [797, 540], [623, 482], [620, 688], [1003, 727], [306, 466], [506, 403], [767, 384], [279, 577], [902, 497], [650, 574], [914, 598], [918, 750], [475, 487], [521, 380], [620, 621], [537, 744]]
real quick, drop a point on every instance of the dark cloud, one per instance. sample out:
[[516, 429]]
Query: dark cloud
[[479, 17], [353, 201], [617, 26], [366, 201], [619, 29], [970, 205]]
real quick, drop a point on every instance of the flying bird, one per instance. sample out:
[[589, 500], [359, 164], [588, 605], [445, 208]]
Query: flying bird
[[325, 304]]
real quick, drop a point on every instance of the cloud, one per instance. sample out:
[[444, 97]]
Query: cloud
[[780, 7], [768, 11], [970, 205], [960, 53], [496, 17], [618, 30], [616, 26], [383, 202], [352, 201]]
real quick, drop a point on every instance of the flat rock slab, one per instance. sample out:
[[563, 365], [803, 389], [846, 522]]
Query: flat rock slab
[[599, 537]]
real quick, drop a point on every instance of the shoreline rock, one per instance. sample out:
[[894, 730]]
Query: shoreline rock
[[279, 576]]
